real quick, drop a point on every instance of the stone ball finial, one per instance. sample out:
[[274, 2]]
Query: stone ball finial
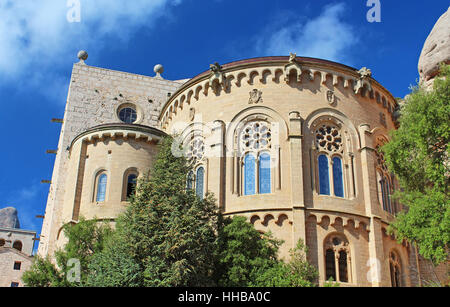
[[158, 69], [82, 55], [436, 50]]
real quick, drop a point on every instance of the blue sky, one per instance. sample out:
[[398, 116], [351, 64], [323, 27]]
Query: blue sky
[[38, 47]]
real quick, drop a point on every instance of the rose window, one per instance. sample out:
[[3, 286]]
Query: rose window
[[195, 150], [256, 136], [380, 158], [328, 138]]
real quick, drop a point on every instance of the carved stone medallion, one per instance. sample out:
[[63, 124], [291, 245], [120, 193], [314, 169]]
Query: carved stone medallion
[[331, 97], [255, 97]]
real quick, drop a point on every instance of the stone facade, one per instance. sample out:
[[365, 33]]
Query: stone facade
[[13, 264], [16, 249], [257, 132], [95, 95]]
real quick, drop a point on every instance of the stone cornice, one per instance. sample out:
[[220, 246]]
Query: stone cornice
[[278, 68], [146, 133]]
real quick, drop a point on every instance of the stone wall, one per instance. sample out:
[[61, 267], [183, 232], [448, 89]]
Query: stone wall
[[93, 99]]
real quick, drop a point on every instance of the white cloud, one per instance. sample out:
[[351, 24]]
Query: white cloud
[[327, 36], [36, 36]]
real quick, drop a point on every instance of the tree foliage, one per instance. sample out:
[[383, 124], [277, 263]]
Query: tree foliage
[[418, 154], [169, 237], [167, 234], [85, 239]]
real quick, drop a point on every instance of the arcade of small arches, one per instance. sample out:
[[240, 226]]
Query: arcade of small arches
[[16, 245], [222, 79]]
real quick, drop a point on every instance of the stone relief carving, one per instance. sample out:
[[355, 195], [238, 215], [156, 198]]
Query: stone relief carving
[[292, 64], [364, 79], [192, 114], [217, 74], [331, 97], [255, 97]]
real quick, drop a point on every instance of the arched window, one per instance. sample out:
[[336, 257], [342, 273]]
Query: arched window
[[338, 178], [249, 175], [329, 162], [18, 245], [131, 185], [199, 182], [385, 189], [330, 265], [194, 148], [337, 259], [190, 181], [343, 270], [395, 269], [101, 187], [255, 146], [324, 176], [264, 174]]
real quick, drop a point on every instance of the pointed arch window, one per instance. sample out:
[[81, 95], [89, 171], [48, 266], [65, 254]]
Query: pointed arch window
[[199, 182], [337, 259], [384, 183], [101, 187], [338, 178], [249, 175], [255, 146], [131, 185], [395, 269], [264, 174], [324, 176], [330, 162]]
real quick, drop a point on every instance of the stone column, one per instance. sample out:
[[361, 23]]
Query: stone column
[[379, 273], [216, 162], [297, 189]]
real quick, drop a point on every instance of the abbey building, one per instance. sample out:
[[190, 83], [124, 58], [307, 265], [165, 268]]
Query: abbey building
[[290, 143]]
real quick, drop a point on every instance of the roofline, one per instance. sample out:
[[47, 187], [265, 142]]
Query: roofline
[[120, 126], [18, 230], [266, 61]]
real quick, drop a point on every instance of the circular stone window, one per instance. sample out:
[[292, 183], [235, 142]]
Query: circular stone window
[[128, 115]]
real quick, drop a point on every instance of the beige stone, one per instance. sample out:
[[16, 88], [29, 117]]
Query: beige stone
[[436, 50], [293, 109]]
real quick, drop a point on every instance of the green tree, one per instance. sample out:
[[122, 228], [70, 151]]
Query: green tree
[[298, 272], [43, 273], [85, 239], [418, 154], [167, 234], [243, 253]]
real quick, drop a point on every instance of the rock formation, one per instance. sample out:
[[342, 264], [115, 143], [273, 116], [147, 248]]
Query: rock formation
[[9, 218], [435, 51]]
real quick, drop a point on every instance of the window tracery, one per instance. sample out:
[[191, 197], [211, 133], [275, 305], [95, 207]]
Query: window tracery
[[395, 269], [255, 142], [330, 147], [337, 259], [384, 182], [195, 155]]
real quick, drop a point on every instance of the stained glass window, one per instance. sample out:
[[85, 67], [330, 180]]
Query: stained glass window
[[131, 185], [264, 174], [338, 180], [324, 177], [200, 182], [101, 187], [249, 174]]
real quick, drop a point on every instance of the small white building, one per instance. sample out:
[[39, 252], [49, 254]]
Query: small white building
[[16, 251]]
